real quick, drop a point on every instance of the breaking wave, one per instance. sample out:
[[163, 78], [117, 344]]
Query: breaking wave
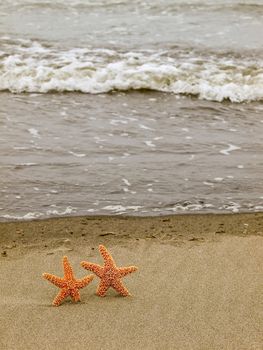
[[166, 5], [27, 66]]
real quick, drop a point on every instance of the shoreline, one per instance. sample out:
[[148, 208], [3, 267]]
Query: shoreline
[[165, 228], [199, 283]]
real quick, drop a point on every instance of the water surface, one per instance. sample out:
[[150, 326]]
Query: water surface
[[143, 107]]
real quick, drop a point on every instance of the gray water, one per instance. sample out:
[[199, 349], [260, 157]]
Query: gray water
[[119, 107]]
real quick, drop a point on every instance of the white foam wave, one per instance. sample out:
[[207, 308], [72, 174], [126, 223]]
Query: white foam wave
[[34, 68], [230, 148], [34, 132], [121, 208], [36, 215], [28, 216], [166, 4]]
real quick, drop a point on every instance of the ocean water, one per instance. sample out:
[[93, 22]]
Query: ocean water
[[130, 107]]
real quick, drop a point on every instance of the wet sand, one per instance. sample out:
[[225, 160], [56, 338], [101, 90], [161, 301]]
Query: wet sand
[[199, 284]]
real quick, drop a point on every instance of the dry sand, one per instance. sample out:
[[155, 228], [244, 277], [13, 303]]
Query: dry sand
[[199, 284]]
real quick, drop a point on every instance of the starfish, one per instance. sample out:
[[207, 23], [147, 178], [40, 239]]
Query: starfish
[[109, 274], [69, 285]]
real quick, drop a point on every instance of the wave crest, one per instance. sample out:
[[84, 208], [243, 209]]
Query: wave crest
[[35, 68]]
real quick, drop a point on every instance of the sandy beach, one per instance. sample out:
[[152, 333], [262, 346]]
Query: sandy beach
[[133, 127], [199, 283]]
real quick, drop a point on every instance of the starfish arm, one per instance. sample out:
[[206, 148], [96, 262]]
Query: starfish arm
[[60, 297], [57, 281], [81, 283], [68, 272], [102, 288], [75, 295], [119, 287], [123, 271], [106, 256], [97, 269]]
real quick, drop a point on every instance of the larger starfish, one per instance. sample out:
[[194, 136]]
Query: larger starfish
[[69, 284], [109, 274]]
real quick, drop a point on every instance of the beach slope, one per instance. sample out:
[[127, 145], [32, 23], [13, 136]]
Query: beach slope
[[199, 283]]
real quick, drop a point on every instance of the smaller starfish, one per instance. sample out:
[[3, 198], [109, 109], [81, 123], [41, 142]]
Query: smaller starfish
[[109, 274], [69, 285]]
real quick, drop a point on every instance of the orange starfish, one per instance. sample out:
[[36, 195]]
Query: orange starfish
[[69, 285], [109, 274]]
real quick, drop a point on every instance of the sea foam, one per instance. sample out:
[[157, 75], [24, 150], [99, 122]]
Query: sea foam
[[35, 68]]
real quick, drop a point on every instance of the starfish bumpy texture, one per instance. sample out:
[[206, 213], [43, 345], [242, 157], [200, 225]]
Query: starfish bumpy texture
[[69, 285], [109, 274]]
